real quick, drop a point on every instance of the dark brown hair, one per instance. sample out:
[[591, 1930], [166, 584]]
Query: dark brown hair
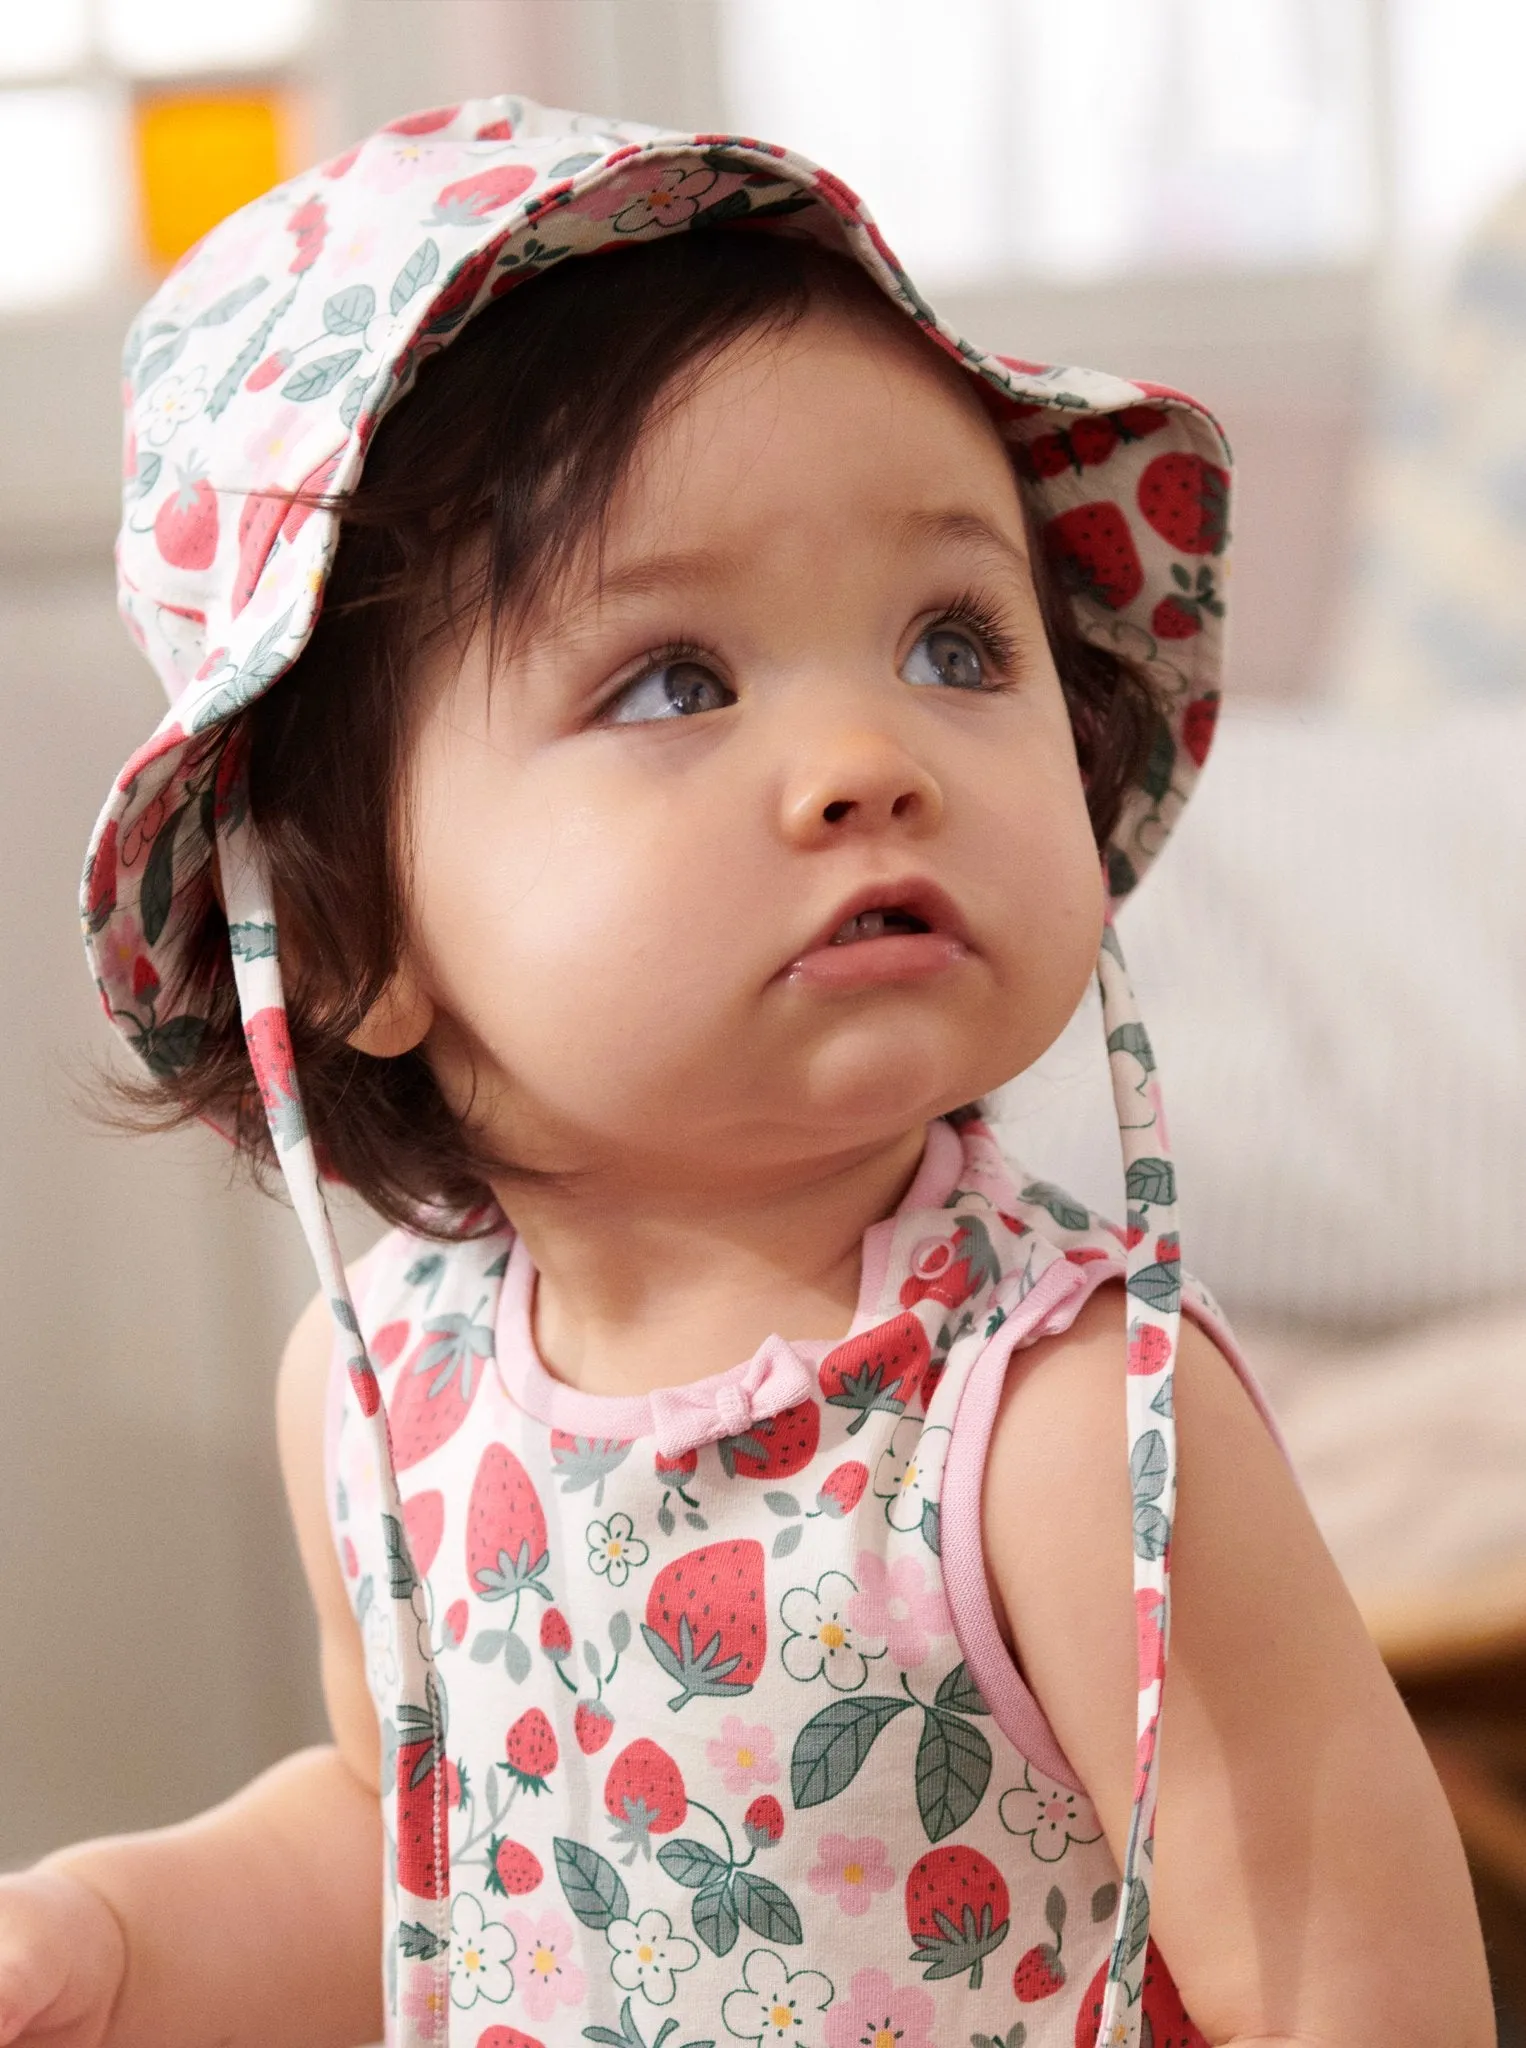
[[485, 479]]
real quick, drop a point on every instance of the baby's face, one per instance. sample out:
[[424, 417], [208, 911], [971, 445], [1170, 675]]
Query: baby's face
[[813, 681]]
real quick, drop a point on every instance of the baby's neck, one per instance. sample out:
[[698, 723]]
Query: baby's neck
[[643, 1288]]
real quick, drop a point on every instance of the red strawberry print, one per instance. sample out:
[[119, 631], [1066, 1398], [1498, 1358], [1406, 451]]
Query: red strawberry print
[[185, 526], [1175, 619], [424, 123], [1136, 422], [763, 1822], [473, 199], [1166, 2024], [776, 1447], [310, 226], [455, 1785], [880, 1369], [266, 372], [351, 1561], [436, 1387], [386, 1346], [419, 1870], [684, 1466], [512, 1869], [269, 1042], [505, 1528], [424, 1519], [145, 980], [950, 1270], [584, 1461], [706, 1624], [1198, 723], [1040, 1972], [1094, 439], [1093, 553], [592, 1724], [1149, 1614], [258, 523], [1149, 1348], [957, 1911], [1050, 455], [455, 1623], [842, 1489], [496, 131], [555, 1635], [644, 1796], [530, 1751], [1186, 500], [507, 2037]]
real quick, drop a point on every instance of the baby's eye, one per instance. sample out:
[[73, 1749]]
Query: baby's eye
[[675, 689], [946, 654]]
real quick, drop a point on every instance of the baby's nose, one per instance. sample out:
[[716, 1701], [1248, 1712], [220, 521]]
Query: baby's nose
[[860, 782]]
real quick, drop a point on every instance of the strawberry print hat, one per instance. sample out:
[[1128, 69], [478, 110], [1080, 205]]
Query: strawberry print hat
[[261, 367]]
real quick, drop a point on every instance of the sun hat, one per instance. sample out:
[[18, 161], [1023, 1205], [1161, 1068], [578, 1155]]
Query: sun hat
[[260, 370]]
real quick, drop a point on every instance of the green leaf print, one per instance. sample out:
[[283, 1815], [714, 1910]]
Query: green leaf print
[[830, 1749], [1147, 1466], [417, 1940], [1065, 1210], [953, 1770], [1137, 1931], [960, 1694], [1104, 1902], [399, 1574], [1158, 1286], [1151, 1180], [1156, 779], [317, 379], [715, 1916], [630, 2035], [168, 1047], [349, 311], [253, 940], [1163, 1404], [592, 1886], [415, 273], [223, 310], [158, 889], [1014, 2037], [1133, 1038], [691, 1864], [1152, 1532], [932, 1527], [766, 1909]]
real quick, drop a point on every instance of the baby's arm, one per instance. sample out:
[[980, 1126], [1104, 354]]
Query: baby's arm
[[1310, 1885], [256, 1924]]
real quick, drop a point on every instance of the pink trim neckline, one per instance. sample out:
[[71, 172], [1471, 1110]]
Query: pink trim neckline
[[624, 1417]]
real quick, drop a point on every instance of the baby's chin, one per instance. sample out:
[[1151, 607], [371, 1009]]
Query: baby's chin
[[872, 1083]]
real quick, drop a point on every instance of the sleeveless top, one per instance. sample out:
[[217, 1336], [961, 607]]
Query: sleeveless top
[[734, 1751]]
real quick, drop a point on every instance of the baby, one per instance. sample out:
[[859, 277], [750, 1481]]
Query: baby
[[735, 712]]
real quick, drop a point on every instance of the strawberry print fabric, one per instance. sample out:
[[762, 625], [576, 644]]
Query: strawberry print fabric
[[711, 1736]]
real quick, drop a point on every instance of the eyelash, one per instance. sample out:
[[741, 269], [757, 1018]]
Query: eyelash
[[968, 610]]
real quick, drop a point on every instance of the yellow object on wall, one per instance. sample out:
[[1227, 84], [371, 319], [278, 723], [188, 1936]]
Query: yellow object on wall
[[201, 155]]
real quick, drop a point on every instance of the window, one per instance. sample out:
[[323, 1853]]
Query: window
[[128, 127]]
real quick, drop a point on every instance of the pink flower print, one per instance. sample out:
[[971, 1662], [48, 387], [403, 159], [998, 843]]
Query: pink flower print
[[279, 432], [743, 1753], [655, 195], [422, 2004], [545, 1975], [895, 1603], [119, 946], [852, 1868], [876, 2015], [390, 169], [355, 247]]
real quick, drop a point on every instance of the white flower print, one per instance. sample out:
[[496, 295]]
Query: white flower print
[[481, 1954], [1050, 1815], [649, 1956], [820, 1642], [170, 403], [772, 2005], [613, 1548], [910, 1471]]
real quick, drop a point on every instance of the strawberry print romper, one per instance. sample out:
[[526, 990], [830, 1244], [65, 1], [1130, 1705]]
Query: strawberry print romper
[[697, 1725], [733, 1751]]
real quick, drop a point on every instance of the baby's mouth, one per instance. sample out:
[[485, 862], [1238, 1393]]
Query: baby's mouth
[[878, 924]]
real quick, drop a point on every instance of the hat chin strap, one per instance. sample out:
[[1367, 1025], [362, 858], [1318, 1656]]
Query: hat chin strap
[[1154, 1293], [421, 1709]]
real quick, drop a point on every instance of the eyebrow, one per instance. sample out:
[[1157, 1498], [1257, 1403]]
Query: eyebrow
[[965, 529]]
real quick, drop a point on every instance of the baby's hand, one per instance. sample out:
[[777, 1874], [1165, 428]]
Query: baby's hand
[[63, 1957]]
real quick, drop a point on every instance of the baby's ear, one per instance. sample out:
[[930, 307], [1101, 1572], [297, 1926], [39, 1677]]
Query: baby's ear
[[397, 1021]]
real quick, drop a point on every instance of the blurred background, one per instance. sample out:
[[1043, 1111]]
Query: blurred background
[[1311, 214]]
